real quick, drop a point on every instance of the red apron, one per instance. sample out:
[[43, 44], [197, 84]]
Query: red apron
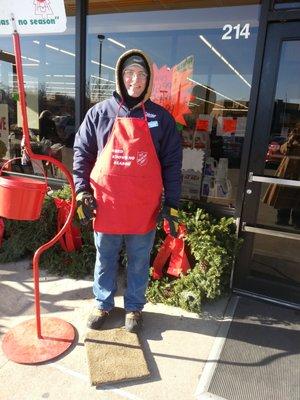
[[127, 180]]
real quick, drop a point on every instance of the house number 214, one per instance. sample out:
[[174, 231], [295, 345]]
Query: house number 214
[[236, 32]]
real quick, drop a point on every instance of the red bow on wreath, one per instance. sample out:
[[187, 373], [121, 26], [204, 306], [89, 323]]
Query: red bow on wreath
[[174, 248], [71, 239]]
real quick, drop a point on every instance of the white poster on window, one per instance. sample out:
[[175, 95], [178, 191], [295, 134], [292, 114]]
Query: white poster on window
[[32, 16], [32, 101], [4, 124], [192, 159], [191, 184], [241, 126]]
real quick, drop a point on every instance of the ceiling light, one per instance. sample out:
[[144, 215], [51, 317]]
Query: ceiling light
[[220, 94], [224, 59], [52, 47], [60, 83], [61, 76], [103, 79], [7, 52], [29, 65], [117, 43], [229, 109], [67, 52], [59, 87], [33, 59], [210, 102], [103, 65], [102, 85]]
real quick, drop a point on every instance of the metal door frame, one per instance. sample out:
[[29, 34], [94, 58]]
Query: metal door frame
[[270, 38]]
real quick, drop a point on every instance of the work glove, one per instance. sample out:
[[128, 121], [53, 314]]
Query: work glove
[[86, 206], [171, 215]]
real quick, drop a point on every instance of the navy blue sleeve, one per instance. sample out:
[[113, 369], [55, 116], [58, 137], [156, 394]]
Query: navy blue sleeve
[[170, 156], [85, 152]]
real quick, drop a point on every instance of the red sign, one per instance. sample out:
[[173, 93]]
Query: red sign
[[202, 125], [229, 125]]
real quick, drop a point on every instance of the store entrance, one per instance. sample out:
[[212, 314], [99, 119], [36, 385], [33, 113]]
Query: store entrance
[[269, 264]]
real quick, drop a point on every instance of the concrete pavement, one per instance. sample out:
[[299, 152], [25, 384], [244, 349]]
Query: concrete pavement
[[176, 343]]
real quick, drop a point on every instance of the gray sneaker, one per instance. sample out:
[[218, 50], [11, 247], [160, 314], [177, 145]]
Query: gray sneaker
[[133, 321], [96, 318]]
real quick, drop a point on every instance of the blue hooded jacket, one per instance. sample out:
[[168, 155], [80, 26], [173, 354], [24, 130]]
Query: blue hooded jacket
[[97, 125]]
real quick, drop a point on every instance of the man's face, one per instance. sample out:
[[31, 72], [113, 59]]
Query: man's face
[[135, 79]]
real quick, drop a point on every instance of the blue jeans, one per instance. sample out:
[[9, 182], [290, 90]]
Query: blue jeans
[[138, 249]]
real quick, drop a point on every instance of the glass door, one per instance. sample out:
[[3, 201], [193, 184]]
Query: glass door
[[269, 264]]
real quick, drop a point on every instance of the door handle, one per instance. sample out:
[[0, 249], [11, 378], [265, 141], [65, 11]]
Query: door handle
[[271, 179], [270, 232]]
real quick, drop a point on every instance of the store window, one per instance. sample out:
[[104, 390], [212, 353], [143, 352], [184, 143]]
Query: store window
[[203, 65], [49, 78]]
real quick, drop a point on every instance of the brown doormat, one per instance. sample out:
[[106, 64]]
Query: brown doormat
[[114, 355]]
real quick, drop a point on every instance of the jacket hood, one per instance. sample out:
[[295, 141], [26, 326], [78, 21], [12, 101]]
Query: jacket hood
[[119, 69]]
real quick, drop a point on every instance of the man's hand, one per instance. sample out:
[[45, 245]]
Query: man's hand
[[171, 215], [86, 206]]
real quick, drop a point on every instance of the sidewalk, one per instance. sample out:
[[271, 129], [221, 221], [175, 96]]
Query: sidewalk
[[176, 343]]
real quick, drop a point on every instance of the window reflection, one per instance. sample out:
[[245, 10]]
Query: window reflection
[[203, 61], [274, 257], [49, 79], [280, 205]]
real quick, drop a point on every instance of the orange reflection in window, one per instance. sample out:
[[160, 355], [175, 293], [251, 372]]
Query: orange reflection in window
[[172, 88]]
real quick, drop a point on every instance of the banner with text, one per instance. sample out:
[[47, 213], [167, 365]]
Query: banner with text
[[32, 16]]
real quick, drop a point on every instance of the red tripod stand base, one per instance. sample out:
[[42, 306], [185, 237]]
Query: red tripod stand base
[[22, 345]]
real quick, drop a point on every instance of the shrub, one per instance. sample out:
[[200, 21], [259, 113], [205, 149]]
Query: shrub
[[23, 238], [213, 244]]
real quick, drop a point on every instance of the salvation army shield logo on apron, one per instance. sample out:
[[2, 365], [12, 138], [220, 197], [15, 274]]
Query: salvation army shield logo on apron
[[142, 158]]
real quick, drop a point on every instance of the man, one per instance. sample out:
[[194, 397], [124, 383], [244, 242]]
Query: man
[[47, 127], [126, 153]]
